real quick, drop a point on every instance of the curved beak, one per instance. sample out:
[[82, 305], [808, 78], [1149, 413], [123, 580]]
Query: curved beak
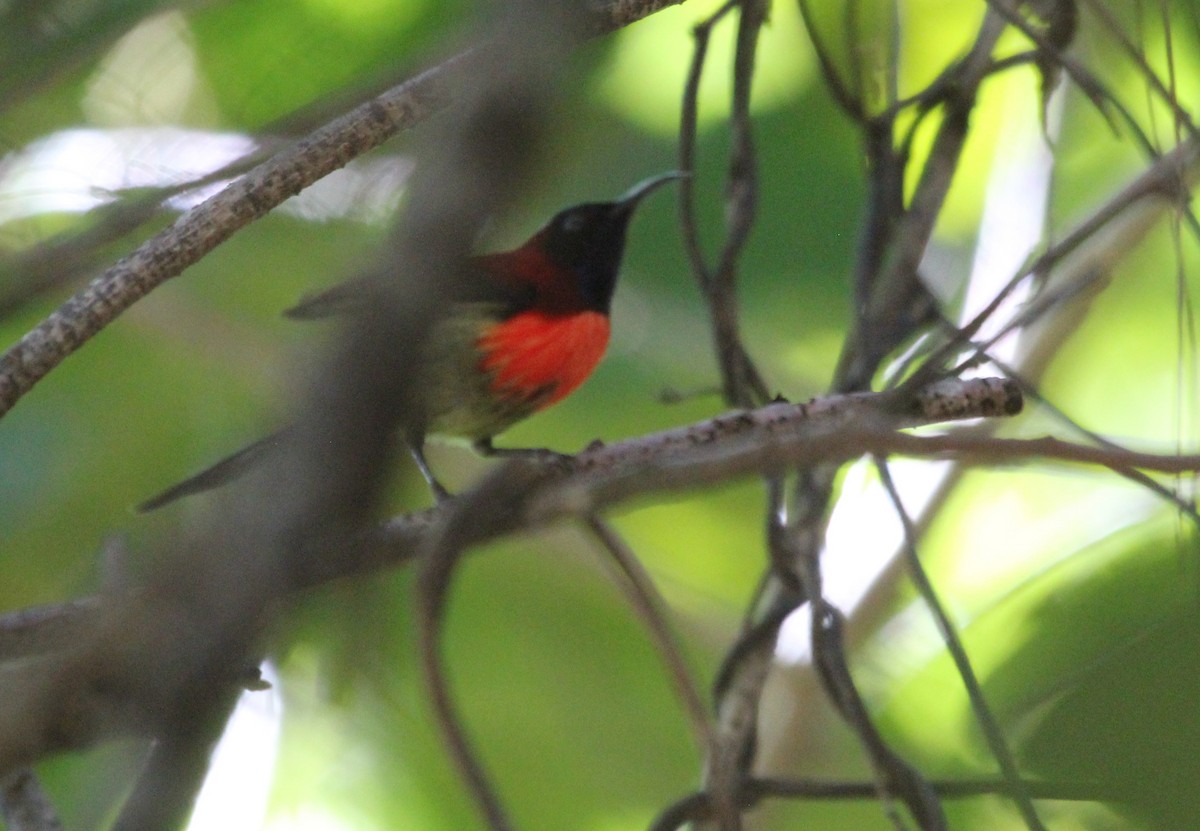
[[631, 197]]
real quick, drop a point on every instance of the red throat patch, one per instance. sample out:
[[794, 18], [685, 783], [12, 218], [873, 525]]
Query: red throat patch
[[535, 354]]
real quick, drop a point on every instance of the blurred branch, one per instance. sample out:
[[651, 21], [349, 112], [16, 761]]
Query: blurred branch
[[204, 227], [174, 771], [43, 629], [25, 805], [39, 43], [65, 257], [719, 449], [771, 438], [168, 657], [492, 505]]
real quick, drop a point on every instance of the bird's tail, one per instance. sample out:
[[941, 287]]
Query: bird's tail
[[340, 299], [223, 472]]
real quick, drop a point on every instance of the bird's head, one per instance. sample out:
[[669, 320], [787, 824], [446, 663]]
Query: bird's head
[[587, 240]]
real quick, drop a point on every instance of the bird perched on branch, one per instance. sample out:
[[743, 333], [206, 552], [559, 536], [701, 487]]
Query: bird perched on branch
[[526, 330]]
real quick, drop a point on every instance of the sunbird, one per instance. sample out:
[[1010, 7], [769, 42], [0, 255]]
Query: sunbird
[[525, 330]]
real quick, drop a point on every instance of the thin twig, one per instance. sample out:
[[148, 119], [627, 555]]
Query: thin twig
[[1181, 116], [1091, 436], [650, 609], [847, 100], [892, 300], [697, 807], [742, 384], [983, 713], [689, 228], [40, 630], [1149, 190]]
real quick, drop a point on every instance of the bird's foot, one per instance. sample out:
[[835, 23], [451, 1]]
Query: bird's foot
[[538, 455], [440, 494]]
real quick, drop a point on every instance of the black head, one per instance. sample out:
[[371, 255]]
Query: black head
[[588, 241]]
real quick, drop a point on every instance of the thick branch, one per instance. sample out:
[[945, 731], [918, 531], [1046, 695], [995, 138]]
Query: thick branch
[[736, 445]]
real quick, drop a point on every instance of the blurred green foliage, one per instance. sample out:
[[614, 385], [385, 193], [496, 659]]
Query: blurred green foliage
[[1077, 595]]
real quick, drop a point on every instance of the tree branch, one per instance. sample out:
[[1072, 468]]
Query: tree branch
[[772, 438], [698, 806], [25, 805], [742, 385]]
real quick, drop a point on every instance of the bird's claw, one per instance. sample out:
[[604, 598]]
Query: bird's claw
[[440, 494], [538, 455]]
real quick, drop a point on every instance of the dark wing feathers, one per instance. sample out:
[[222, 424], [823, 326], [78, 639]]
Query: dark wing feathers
[[352, 295]]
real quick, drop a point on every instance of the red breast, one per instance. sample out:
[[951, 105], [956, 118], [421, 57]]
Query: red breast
[[543, 356]]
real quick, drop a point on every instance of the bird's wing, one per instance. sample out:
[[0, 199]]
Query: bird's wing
[[489, 281]]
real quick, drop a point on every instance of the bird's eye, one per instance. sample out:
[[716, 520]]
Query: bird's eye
[[572, 224]]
